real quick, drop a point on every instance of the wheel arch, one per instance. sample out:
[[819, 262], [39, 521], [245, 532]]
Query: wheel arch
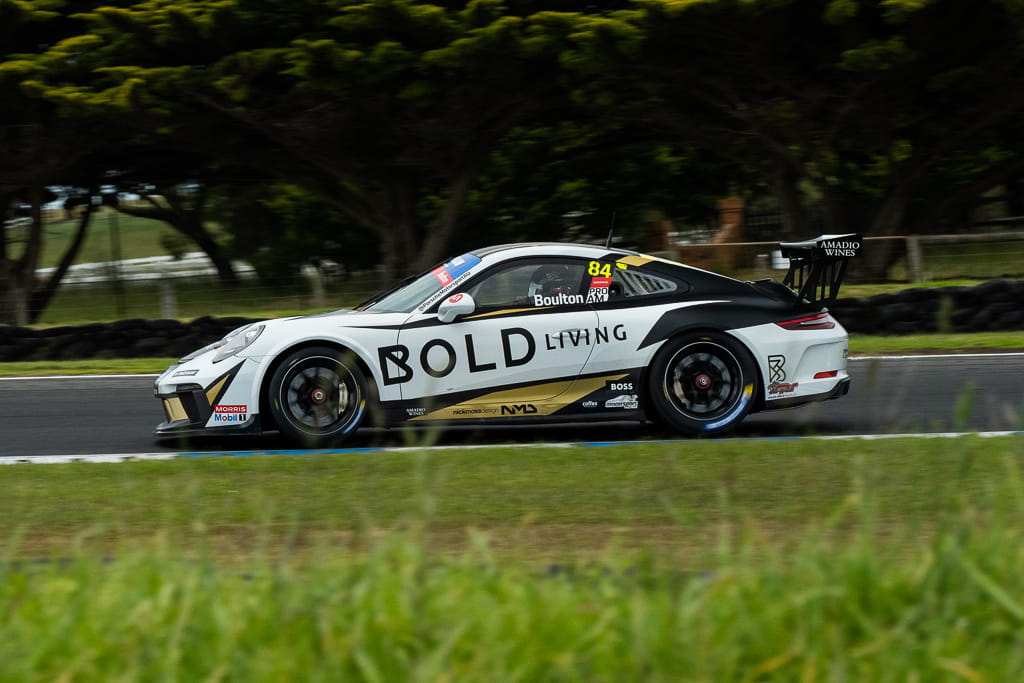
[[282, 353]]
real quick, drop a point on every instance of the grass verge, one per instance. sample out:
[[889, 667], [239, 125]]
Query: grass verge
[[894, 560], [544, 500]]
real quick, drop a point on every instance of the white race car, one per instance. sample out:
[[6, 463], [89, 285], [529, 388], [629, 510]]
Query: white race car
[[531, 332]]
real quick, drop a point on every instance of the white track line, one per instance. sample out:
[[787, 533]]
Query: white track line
[[940, 355], [137, 457], [38, 377]]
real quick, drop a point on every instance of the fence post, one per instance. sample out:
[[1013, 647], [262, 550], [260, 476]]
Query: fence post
[[316, 283], [168, 302], [915, 259], [20, 307]]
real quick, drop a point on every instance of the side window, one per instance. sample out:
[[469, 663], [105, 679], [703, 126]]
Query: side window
[[626, 282], [548, 282], [635, 282]]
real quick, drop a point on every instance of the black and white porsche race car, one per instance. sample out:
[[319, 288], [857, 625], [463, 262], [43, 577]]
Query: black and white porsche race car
[[531, 332]]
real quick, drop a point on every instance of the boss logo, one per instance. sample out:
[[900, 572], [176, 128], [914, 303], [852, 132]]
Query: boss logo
[[619, 386]]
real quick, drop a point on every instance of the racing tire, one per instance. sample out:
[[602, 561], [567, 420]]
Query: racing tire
[[703, 383], [318, 396]]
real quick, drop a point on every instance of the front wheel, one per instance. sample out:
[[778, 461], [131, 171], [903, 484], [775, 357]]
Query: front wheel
[[317, 396], [703, 383]]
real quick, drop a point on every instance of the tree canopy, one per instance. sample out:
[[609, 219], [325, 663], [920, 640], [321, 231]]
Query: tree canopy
[[894, 113], [423, 123]]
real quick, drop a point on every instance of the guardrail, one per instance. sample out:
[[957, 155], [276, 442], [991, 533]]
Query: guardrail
[[925, 260]]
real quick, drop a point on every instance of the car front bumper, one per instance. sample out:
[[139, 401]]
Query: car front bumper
[[200, 397]]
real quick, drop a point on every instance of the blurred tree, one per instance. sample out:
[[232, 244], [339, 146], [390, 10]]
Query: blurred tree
[[279, 228], [403, 115], [570, 181], [890, 111], [373, 104], [40, 146]]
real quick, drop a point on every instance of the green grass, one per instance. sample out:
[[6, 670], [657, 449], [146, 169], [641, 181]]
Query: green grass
[[895, 560], [984, 260], [121, 366], [139, 238], [549, 500], [865, 345], [196, 297]]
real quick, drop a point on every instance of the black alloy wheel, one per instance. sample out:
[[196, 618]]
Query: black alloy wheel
[[318, 396], [702, 384]]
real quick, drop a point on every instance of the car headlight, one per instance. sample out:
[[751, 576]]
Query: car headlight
[[236, 341]]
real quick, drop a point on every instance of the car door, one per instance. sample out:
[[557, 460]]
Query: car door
[[521, 348], [637, 298]]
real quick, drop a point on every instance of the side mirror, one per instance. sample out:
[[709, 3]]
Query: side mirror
[[454, 306]]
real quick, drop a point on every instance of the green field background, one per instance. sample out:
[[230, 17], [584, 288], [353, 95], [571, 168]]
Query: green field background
[[895, 559]]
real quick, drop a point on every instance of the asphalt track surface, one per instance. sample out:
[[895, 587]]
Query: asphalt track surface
[[892, 395]]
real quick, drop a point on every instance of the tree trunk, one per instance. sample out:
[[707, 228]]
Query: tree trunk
[[17, 276], [13, 295], [879, 256], [3, 227], [188, 221], [221, 261], [398, 240], [435, 245], [41, 298], [787, 193]]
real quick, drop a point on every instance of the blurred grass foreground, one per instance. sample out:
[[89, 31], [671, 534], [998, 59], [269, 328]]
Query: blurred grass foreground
[[857, 566]]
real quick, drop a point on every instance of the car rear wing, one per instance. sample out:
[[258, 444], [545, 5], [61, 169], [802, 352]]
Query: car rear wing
[[817, 266]]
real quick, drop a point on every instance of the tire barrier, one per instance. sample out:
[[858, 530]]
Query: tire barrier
[[991, 306], [134, 338], [994, 305]]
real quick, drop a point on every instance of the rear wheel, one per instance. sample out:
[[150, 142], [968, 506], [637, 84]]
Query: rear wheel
[[318, 396], [702, 384]]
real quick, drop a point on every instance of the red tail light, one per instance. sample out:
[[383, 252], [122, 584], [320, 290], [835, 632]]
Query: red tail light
[[826, 374], [821, 321]]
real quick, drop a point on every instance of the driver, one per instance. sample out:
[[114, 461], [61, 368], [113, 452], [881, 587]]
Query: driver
[[550, 280]]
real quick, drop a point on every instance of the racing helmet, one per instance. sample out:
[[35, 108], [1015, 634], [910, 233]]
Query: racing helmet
[[550, 280]]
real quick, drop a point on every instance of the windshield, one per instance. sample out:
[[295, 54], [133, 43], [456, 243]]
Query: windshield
[[415, 291]]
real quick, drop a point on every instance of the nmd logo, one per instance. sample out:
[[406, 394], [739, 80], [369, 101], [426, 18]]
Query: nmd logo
[[519, 409]]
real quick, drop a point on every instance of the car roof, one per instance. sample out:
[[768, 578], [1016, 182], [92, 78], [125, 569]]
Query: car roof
[[554, 249], [504, 252]]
